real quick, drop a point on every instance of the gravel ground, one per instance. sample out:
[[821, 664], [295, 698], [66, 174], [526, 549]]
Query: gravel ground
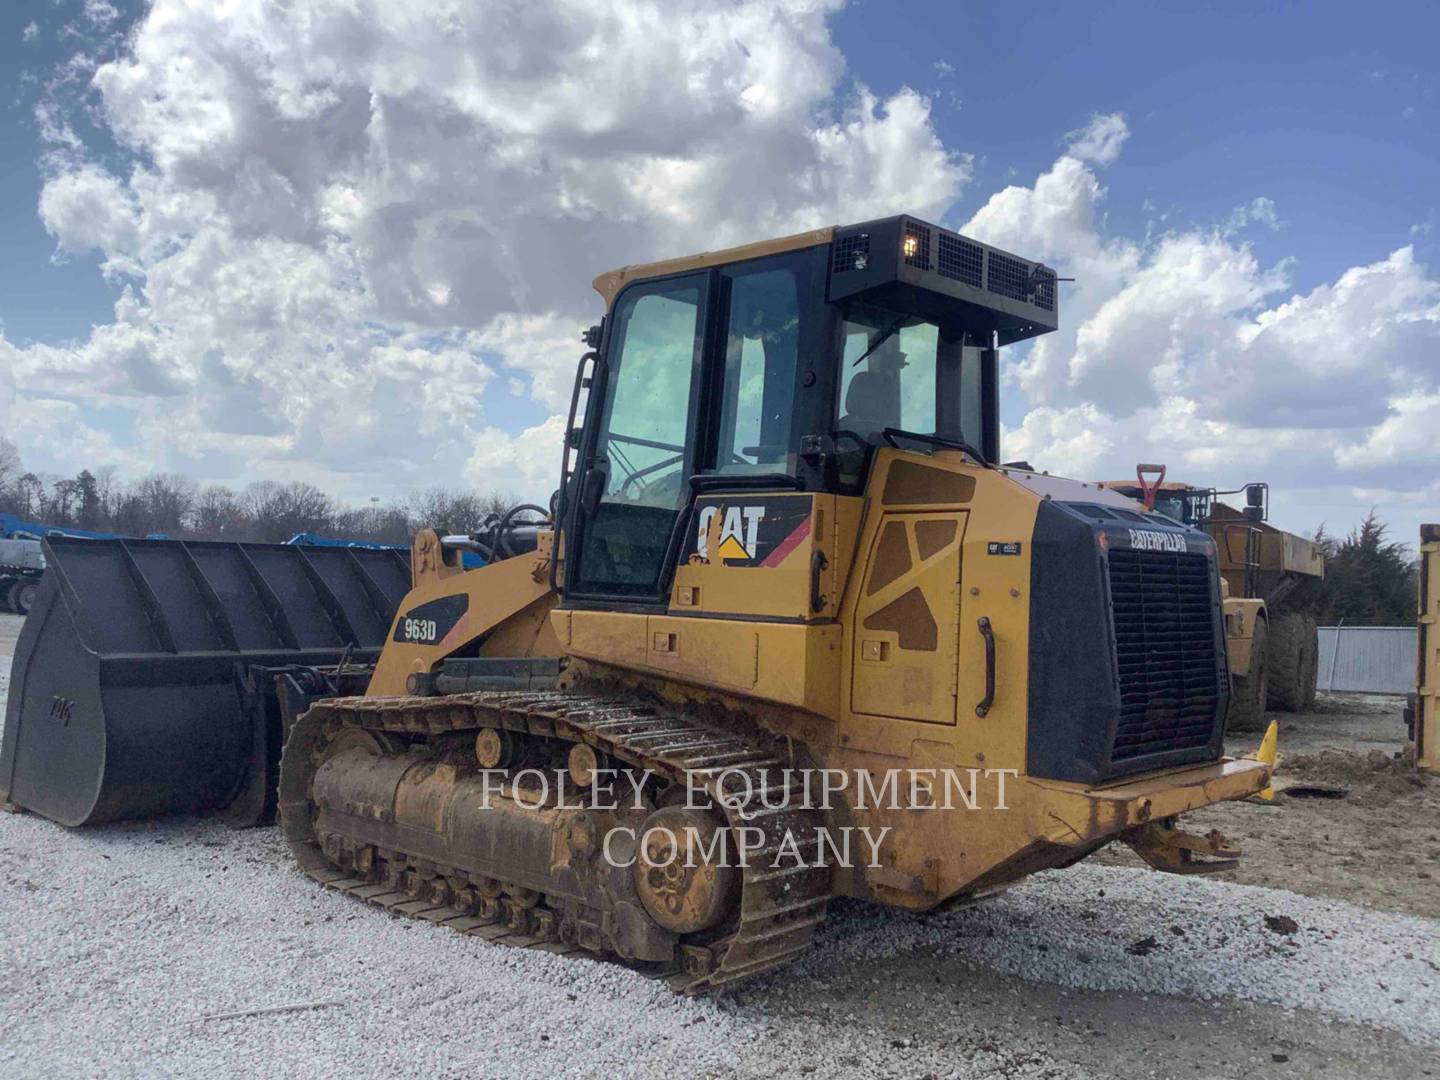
[[120, 941], [121, 944], [9, 631]]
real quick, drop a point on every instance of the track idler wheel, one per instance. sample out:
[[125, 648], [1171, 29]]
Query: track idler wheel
[[683, 872]]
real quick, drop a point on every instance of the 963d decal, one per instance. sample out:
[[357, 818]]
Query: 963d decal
[[428, 623]]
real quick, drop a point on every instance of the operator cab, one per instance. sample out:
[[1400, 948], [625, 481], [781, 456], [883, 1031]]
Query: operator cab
[[1193, 506], [781, 366], [1181, 504]]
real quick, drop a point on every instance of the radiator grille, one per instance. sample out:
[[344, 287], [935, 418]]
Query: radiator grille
[[1165, 650]]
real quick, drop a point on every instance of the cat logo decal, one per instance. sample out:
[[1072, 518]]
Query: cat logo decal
[[759, 533]]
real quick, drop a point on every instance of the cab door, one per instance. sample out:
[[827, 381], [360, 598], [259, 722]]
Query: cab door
[[634, 485]]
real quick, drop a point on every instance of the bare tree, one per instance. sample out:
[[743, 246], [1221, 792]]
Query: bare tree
[[107, 492], [10, 465], [64, 496], [30, 495], [174, 505], [218, 515], [129, 516], [168, 498], [454, 511], [278, 511], [382, 524]]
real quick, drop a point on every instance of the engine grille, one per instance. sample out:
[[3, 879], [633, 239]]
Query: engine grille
[[1013, 278], [1165, 649], [962, 260]]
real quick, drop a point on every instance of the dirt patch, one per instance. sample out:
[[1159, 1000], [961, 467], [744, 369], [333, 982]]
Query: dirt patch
[[1359, 722], [1377, 844], [1373, 778]]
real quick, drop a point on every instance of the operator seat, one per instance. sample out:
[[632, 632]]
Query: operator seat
[[863, 406]]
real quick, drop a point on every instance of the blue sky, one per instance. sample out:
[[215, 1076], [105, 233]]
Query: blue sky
[[307, 213], [46, 297], [1329, 109], [1335, 118]]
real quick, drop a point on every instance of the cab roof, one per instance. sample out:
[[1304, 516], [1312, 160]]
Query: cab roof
[[906, 264], [611, 282]]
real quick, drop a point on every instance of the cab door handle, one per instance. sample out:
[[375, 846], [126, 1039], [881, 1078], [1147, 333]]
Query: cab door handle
[[988, 634], [818, 564], [591, 488]]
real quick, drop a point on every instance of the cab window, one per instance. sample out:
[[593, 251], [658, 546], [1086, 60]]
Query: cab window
[[641, 456], [762, 344]]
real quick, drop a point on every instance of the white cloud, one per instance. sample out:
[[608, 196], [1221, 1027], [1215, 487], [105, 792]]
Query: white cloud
[[1185, 348], [341, 221], [1408, 438], [31, 32], [336, 225], [87, 209], [100, 13], [547, 346], [1100, 140], [1072, 442], [518, 462], [1259, 210]]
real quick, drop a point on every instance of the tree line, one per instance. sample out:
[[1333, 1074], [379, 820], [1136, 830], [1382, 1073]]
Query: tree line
[[1370, 580], [172, 505]]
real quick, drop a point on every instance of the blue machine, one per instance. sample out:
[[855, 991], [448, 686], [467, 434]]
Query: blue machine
[[13, 527], [470, 560], [316, 540]]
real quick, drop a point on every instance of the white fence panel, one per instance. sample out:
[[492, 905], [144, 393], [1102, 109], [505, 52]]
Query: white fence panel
[[1367, 659]]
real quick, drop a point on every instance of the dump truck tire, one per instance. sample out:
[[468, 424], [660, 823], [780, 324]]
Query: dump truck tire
[[1247, 693], [1290, 661], [22, 595]]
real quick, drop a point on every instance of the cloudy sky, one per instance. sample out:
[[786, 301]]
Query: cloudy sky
[[350, 241]]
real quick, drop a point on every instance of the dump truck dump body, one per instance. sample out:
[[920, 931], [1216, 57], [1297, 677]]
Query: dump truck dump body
[[128, 694]]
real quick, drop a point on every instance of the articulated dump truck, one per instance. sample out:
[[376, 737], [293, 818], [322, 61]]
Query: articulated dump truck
[[791, 632], [1271, 582]]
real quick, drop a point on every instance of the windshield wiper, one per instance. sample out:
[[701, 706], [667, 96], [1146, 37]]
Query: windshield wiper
[[885, 335], [890, 434]]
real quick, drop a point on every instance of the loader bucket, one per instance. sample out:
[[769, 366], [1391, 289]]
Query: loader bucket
[[134, 683]]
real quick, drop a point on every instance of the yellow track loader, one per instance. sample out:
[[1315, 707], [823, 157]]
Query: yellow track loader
[[790, 630]]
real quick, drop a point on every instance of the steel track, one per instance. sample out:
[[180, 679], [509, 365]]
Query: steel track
[[782, 901]]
